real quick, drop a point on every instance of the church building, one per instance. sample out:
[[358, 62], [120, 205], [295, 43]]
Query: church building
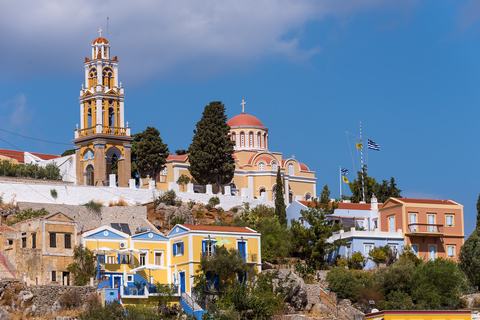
[[255, 165], [103, 140]]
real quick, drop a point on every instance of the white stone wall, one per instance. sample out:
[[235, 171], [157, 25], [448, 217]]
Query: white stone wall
[[77, 195]]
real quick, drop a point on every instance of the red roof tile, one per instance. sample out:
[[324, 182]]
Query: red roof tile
[[217, 228], [2, 228], [245, 120], [19, 155], [344, 206], [100, 40], [303, 167], [425, 201], [174, 157]]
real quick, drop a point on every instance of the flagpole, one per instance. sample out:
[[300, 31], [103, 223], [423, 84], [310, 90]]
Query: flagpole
[[361, 161], [340, 173]]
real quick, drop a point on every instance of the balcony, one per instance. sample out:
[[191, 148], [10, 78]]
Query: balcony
[[425, 230], [118, 131], [250, 257]]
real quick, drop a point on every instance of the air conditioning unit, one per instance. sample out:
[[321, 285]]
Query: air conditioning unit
[[102, 267], [123, 245]]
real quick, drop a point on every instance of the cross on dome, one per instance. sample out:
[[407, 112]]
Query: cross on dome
[[243, 106], [100, 32]]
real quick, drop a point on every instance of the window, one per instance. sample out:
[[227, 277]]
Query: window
[[111, 117], [142, 259], [258, 140], [308, 197], [10, 242], [348, 250], [302, 222], [178, 248], [68, 241], [451, 251], [394, 247], [290, 169], [413, 220], [34, 240], [391, 223], [368, 248], [165, 171], [274, 166], [234, 138], [261, 166], [250, 139], [449, 220], [242, 139], [415, 249], [24, 239], [53, 240], [129, 278], [431, 222], [54, 276], [208, 249], [242, 249], [158, 258]]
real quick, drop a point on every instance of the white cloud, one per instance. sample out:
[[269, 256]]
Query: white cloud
[[15, 112], [154, 38]]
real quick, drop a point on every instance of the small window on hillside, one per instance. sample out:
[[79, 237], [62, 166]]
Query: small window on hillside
[[34, 240], [53, 240], [68, 241], [54, 276]]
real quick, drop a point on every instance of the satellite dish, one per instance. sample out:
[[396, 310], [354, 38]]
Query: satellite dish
[[374, 310]]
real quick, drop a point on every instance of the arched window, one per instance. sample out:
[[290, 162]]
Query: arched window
[[88, 155], [308, 197], [273, 192], [250, 139], [165, 171], [265, 140], [107, 77], [259, 135], [261, 191], [290, 197], [274, 166], [242, 139], [290, 169], [92, 77], [261, 166]]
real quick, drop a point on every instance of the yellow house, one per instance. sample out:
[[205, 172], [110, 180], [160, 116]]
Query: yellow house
[[420, 315], [129, 266], [255, 166]]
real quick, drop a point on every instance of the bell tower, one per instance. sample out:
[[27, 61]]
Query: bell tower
[[102, 143]]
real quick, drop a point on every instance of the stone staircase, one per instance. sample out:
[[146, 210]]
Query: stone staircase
[[7, 271]]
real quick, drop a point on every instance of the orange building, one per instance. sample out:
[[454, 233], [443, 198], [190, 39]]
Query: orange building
[[433, 228]]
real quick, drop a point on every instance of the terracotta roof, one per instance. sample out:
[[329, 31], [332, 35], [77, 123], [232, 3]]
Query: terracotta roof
[[2, 228], [303, 167], [344, 206], [425, 201], [245, 120], [19, 155], [217, 228], [174, 157], [100, 40], [268, 160]]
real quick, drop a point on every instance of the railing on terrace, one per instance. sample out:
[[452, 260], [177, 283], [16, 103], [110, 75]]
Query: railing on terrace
[[119, 131], [250, 257], [86, 132], [425, 229]]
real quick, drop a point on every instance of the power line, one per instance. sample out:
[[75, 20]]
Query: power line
[[31, 138]]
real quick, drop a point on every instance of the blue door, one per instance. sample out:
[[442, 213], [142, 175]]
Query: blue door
[[241, 249], [182, 281]]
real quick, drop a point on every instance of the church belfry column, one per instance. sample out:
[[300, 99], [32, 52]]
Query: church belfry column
[[101, 140]]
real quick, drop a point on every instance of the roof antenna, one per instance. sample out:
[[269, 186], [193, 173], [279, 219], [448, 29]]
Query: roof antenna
[[107, 28]]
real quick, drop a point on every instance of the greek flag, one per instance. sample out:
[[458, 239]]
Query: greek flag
[[372, 145], [344, 171]]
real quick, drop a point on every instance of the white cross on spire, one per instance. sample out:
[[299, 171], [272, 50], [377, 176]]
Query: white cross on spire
[[243, 106], [100, 32]]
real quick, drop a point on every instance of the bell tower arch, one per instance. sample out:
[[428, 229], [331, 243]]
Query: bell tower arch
[[103, 139]]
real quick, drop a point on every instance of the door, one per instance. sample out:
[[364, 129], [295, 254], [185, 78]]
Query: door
[[433, 252], [182, 281], [241, 249], [66, 278], [431, 222], [413, 220], [117, 282]]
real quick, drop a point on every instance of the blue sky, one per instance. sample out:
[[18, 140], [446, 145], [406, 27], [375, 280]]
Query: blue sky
[[309, 70]]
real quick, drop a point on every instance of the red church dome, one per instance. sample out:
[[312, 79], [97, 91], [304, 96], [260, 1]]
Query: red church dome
[[245, 120], [100, 40]]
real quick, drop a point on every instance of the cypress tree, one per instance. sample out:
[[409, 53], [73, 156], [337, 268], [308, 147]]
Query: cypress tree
[[149, 152], [280, 200], [478, 212], [210, 158]]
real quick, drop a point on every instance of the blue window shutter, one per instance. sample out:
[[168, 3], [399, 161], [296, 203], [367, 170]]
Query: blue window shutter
[[174, 249], [118, 258], [204, 249], [213, 247], [181, 246]]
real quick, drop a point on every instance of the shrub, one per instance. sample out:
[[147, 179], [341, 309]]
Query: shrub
[[119, 203], [199, 214], [378, 254], [28, 213], [53, 193], [70, 300], [190, 204], [214, 201], [343, 282], [208, 206], [94, 205], [356, 261], [169, 198], [177, 220], [398, 300], [234, 209]]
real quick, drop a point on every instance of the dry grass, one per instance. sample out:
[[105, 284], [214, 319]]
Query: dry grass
[[119, 203], [62, 313]]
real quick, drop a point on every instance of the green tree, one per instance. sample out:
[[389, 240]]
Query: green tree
[[211, 151], [343, 282], [68, 152], [276, 239], [149, 153], [83, 267], [280, 207], [438, 284], [381, 191], [311, 242], [478, 212], [396, 278], [183, 180], [469, 258], [226, 264], [181, 152]]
